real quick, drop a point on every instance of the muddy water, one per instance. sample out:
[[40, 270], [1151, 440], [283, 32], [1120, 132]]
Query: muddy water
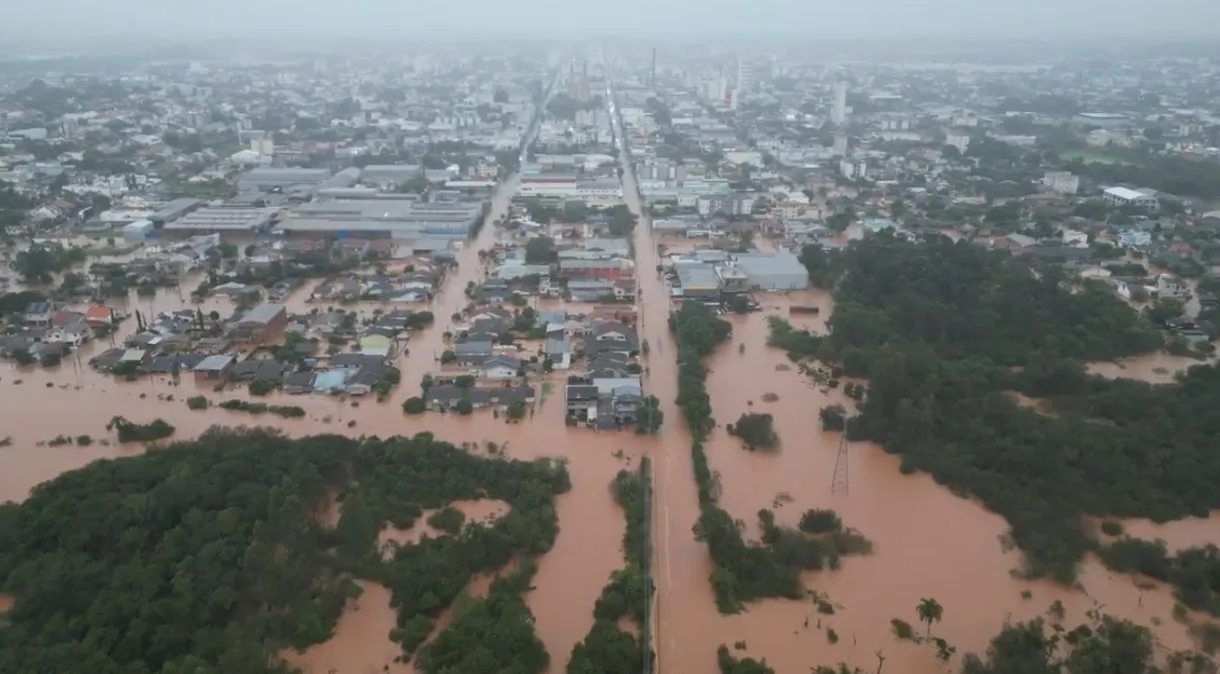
[[482, 511], [361, 642], [929, 543], [1156, 368], [80, 401]]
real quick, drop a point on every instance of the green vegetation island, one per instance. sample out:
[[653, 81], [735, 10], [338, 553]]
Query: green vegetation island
[[608, 649], [945, 332], [212, 556], [744, 571]]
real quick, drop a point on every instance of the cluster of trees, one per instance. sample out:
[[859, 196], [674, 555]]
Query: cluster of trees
[[1193, 572], [944, 331], [608, 649], [1102, 646], [209, 556], [649, 417], [1171, 174], [237, 404], [129, 431], [38, 264], [743, 571], [755, 430]]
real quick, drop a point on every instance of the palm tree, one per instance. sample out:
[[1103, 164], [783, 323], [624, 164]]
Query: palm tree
[[929, 611]]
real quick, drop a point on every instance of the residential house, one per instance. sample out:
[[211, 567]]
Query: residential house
[[262, 322], [447, 396], [214, 367], [69, 327], [499, 367], [492, 312], [1168, 285], [99, 316], [590, 290], [39, 314], [472, 353], [298, 382], [580, 401]]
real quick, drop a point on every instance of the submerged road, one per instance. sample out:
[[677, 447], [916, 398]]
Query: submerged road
[[675, 503]]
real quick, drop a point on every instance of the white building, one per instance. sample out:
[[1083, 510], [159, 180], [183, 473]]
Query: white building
[[838, 110], [1168, 285], [746, 81], [1123, 196], [852, 168], [1063, 182], [959, 140]]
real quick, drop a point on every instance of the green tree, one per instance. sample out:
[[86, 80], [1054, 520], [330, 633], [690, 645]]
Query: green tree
[[929, 611], [649, 416]]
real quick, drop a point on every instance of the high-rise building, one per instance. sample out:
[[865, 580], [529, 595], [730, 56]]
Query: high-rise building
[[838, 110], [745, 77], [653, 79]]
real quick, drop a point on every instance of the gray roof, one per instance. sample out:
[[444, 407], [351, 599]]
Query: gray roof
[[782, 262], [284, 176], [263, 313], [225, 218], [472, 348], [214, 363], [697, 275]]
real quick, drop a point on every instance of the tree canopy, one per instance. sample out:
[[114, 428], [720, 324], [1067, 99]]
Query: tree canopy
[[945, 331], [209, 556]]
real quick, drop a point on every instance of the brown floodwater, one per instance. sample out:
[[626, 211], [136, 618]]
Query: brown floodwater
[[485, 511], [361, 642], [928, 542], [80, 401], [1155, 368]]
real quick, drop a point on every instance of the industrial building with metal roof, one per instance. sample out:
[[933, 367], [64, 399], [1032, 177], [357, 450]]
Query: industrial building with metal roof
[[224, 219]]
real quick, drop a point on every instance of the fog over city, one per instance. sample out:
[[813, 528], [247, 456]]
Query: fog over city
[[384, 19]]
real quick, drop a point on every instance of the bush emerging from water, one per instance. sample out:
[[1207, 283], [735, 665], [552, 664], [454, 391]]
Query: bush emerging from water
[[755, 430], [197, 403], [820, 521]]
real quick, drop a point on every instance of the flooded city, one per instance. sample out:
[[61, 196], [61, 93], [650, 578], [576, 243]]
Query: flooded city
[[535, 326]]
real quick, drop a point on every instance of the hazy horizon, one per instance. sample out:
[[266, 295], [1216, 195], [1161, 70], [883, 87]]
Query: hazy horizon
[[57, 23]]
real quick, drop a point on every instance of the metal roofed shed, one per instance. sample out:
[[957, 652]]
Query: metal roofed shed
[[174, 210], [283, 179], [774, 271], [222, 219]]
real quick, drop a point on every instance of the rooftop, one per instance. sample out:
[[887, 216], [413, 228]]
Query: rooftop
[[229, 219]]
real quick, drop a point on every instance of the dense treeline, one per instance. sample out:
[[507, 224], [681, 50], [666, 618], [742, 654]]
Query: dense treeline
[[209, 556], [944, 330], [744, 571], [1193, 572], [129, 431], [731, 665], [608, 649], [1105, 645]]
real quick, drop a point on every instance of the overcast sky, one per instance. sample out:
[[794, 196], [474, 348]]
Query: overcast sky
[[157, 20]]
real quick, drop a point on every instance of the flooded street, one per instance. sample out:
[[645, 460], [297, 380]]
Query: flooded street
[[73, 399], [928, 542]]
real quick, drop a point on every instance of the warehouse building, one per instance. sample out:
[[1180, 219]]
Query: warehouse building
[[281, 179], [698, 281], [173, 210], [395, 218], [774, 271], [224, 220], [389, 175]]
